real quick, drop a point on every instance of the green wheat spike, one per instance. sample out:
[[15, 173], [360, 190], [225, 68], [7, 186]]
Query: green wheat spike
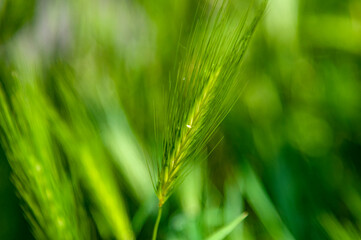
[[52, 202], [206, 87]]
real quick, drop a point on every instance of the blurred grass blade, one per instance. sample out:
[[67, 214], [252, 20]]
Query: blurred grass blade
[[336, 230], [119, 138], [262, 205], [90, 161], [226, 230], [143, 212], [233, 206]]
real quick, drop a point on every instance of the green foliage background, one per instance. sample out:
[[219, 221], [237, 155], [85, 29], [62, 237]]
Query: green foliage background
[[83, 83]]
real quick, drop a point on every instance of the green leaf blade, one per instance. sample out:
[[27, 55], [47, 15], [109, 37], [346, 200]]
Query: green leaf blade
[[226, 230]]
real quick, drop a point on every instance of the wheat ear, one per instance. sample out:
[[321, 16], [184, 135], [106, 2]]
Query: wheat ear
[[206, 87]]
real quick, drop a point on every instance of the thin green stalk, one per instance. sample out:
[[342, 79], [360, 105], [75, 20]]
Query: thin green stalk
[[155, 230]]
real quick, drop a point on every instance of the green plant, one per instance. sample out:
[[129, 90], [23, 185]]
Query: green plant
[[52, 202], [206, 86]]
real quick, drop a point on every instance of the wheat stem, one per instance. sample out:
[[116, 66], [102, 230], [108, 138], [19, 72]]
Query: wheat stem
[[155, 230]]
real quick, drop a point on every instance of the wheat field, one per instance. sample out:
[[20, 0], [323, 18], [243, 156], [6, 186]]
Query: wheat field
[[207, 119]]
